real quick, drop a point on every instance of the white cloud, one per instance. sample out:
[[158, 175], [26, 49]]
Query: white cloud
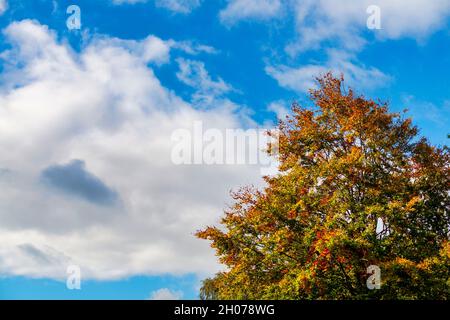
[[324, 20], [177, 6], [180, 6], [166, 294], [195, 75], [239, 10], [301, 79], [279, 108], [58, 105], [154, 50], [149, 50], [128, 1], [344, 21], [342, 25], [3, 6], [425, 111], [193, 48]]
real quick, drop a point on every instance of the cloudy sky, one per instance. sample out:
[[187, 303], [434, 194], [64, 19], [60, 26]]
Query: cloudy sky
[[86, 118]]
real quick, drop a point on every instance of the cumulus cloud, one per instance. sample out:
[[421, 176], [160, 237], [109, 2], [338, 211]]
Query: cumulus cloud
[[240, 10], [166, 294], [73, 179], [149, 50], [57, 105]]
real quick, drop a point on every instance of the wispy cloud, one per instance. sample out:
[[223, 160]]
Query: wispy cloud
[[338, 30], [195, 75], [302, 78], [241, 10], [3, 6], [424, 111], [176, 6]]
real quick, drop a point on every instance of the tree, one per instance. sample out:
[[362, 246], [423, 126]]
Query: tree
[[347, 165]]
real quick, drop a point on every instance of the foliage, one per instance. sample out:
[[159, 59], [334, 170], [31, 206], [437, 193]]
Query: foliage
[[345, 163]]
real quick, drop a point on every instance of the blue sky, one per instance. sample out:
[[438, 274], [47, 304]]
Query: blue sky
[[87, 114]]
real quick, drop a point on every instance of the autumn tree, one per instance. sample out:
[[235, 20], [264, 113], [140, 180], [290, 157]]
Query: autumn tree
[[356, 187]]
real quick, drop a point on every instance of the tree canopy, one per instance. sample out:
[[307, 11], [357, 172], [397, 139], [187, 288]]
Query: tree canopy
[[347, 165]]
